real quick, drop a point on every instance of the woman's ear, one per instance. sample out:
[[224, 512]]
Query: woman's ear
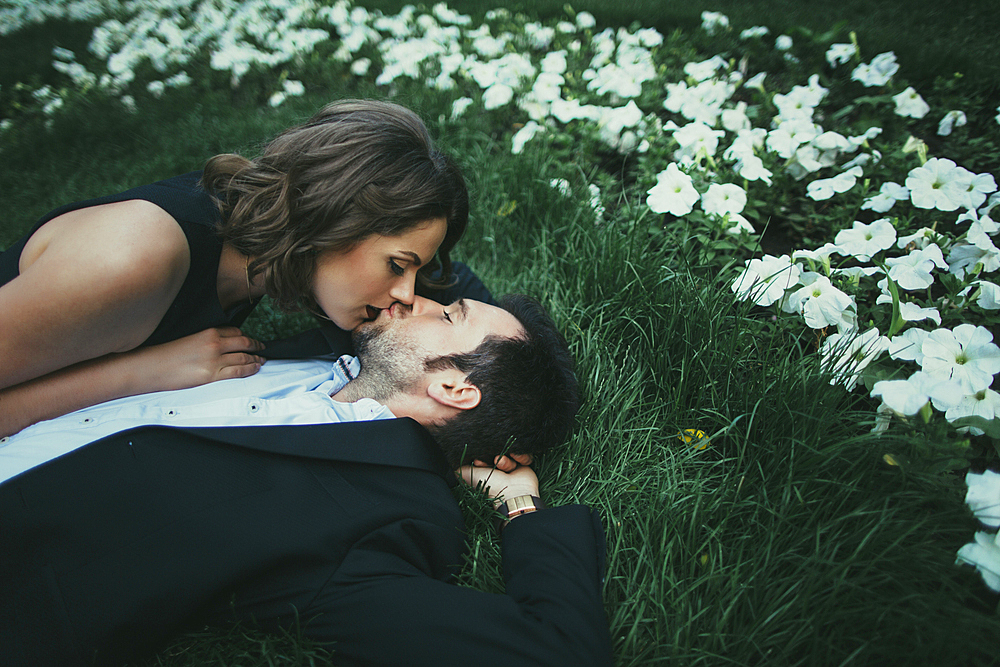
[[453, 389]]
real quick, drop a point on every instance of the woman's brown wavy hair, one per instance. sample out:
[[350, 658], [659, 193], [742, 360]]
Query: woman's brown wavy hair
[[356, 168]]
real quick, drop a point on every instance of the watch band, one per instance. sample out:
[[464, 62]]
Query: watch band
[[519, 505]]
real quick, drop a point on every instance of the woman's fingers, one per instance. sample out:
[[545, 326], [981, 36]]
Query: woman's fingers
[[232, 339], [238, 365], [506, 463]]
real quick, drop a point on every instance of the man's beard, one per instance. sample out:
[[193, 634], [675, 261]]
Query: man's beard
[[391, 363]]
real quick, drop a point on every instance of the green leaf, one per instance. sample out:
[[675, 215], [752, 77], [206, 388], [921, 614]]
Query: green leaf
[[991, 427]]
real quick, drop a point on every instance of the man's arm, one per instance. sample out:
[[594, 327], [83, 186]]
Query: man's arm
[[381, 607]]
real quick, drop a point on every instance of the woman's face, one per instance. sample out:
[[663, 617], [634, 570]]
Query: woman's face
[[354, 286]]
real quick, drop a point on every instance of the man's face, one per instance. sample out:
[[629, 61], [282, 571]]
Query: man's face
[[393, 347]]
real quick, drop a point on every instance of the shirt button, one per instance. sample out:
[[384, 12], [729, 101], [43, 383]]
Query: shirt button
[[254, 407], [171, 413], [4, 440], [86, 420]]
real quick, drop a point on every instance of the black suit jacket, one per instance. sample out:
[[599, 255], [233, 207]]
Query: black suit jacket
[[349, 531]]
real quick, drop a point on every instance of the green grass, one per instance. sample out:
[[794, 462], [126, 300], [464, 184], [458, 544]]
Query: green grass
[[788, 540]]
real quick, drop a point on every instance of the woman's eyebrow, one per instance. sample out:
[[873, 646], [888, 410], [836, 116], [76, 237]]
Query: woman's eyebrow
[[414, 256]]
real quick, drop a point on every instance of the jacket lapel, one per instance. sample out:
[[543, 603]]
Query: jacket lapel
[[390, 442]]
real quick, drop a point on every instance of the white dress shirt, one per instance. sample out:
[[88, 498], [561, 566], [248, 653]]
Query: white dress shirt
[[281, 392]]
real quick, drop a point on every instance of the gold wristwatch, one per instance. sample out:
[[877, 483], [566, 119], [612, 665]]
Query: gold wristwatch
[[519, 505]]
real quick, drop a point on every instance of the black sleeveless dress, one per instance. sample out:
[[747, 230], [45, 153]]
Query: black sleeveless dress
[[196, 306]]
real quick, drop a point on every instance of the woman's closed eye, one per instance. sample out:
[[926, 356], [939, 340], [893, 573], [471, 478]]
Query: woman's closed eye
[[396, 268], [447, 316]]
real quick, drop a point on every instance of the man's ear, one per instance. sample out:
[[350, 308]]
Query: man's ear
[[453, 389]]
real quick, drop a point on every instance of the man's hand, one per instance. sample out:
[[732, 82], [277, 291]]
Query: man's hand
[[500, 485]]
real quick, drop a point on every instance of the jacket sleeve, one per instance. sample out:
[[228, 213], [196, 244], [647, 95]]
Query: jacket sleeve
[[384, 605]]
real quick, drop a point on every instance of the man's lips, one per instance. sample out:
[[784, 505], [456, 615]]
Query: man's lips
[[374, 313]]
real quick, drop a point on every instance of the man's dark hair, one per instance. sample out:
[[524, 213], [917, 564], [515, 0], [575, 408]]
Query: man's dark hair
[[529, 390]]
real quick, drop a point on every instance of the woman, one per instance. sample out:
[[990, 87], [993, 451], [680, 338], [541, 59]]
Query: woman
[[142, 291]]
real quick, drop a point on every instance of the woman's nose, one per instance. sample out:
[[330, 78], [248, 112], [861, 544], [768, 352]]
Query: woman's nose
[[403, 291]]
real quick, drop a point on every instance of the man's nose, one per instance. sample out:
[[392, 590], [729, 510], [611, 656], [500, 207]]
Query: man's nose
[[422, 305]]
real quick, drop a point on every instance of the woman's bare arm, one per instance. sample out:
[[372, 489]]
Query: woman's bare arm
[[207, 356], [94, 284]]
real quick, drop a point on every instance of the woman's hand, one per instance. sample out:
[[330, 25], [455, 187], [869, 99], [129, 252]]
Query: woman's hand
[[220, 353], [504, 462], [207, 356], [500, 485]]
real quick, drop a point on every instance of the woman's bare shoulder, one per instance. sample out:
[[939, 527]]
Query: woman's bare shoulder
[[133, 239], [101, 277]]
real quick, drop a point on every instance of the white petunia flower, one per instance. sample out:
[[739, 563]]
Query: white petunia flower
[[736, 119], [713, 22], [983, 496], [855, 273], [706, 69], [913, 270], [723, 198], [838, 54], [907, 397], [975, 187], [863, 240], [523, 136], [967, 355], [585, 21], [824, 188], [697, 140], [765, 280], [497, 95], [752, 168], [755, 31], [907, 345], [821, 254], [756, 81], [911, 312], [459, 106], [738, 225], [918, 239], [936, 184], [595, 202], [965, 257], [980, 230], [987, 294], [984, 404], [361, 66], [878, 72], [821, 304], [554, 62], [984, 553], [673, 193], [845, 355], [783, 43], [560, 185], [910, 104], [886, 198], [951, 120]]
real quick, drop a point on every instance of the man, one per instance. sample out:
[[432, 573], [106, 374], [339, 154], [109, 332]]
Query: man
[[348, 531]]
